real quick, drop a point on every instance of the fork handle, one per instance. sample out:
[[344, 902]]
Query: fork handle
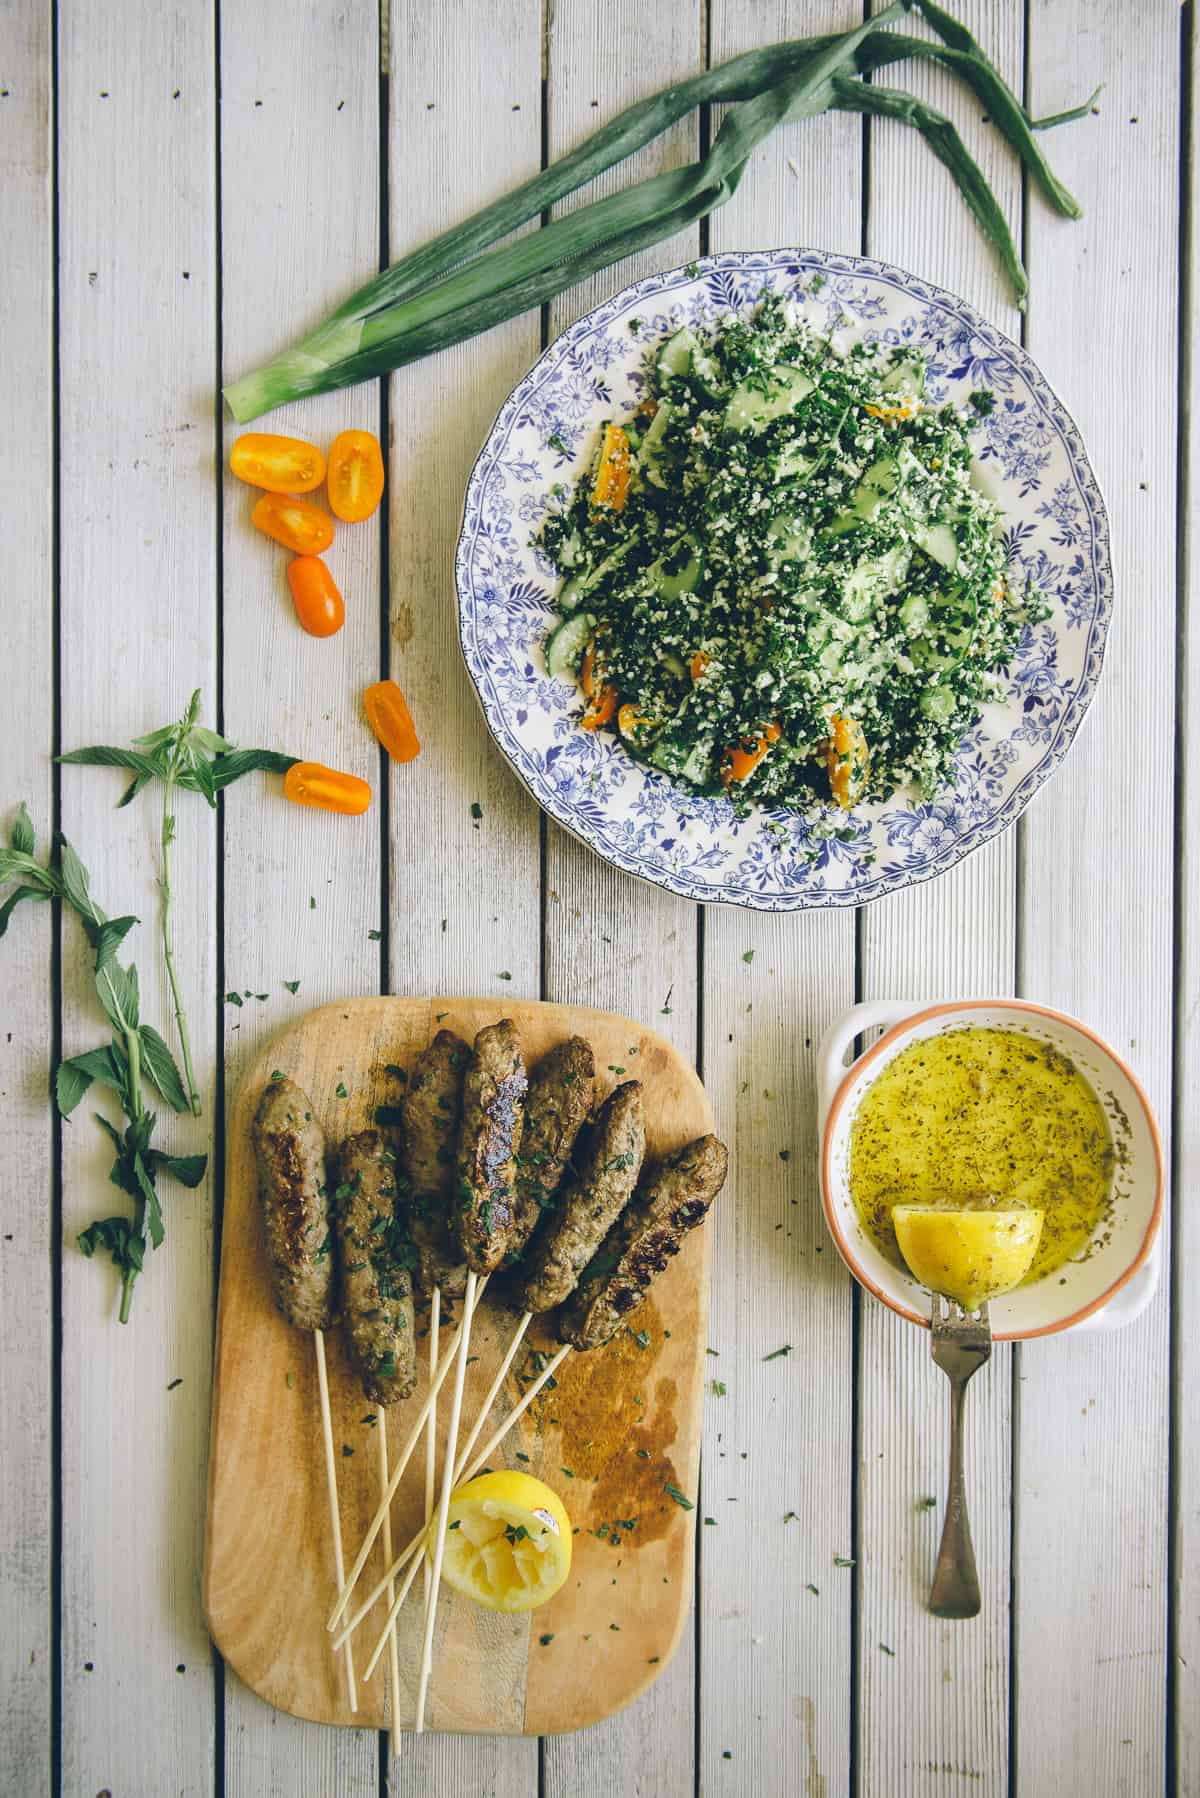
[[955, 1582]]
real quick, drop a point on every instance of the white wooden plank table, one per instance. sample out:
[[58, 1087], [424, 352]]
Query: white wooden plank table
[[184, 187]]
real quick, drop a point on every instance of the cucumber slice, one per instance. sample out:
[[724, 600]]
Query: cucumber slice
[[675, 357], [793, 463], [679, 570], [906, 377], [570, 595], [937, 703], [650, 456], [566, 644], [750, 408], [939, 543], [872, 493]]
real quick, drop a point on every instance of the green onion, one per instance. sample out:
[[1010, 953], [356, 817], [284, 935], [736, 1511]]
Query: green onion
[[455, 286]]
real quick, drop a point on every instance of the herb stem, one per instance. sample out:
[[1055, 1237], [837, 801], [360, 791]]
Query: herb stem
[[164, 887]]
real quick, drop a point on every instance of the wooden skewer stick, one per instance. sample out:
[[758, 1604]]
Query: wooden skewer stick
[[335, 1516], [435, 1321], [463, 1458], [439, 1549], [397, 1475], [386, 1543], [481, 1460]]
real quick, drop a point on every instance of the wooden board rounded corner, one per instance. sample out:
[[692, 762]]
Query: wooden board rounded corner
[[268, 1577]]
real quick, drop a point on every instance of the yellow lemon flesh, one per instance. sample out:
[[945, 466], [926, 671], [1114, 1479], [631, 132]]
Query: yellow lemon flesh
[[508, 1541], [970, 1256]]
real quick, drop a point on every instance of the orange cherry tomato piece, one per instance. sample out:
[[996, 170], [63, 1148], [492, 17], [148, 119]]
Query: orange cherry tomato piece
[[601, 709], [308, 783], [846, 761], [355, 475], [741, 762], [319, 606], [389, 717], [280, 464], [612, 476], [699, 665], [296, 523]]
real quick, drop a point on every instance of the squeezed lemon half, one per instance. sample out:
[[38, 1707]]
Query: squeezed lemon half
[[970, 1256], [508, 1541]]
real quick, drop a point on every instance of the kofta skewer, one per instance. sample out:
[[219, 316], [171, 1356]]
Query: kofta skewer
[[377, 1304], [489, 1138], [289, 1147], [674, 1199], [429, 1120]]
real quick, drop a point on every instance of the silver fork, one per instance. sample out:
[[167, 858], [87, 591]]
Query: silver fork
[[962, 1342]]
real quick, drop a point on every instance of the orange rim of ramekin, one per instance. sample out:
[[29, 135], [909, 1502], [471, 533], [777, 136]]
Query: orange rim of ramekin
[[940, 1011]]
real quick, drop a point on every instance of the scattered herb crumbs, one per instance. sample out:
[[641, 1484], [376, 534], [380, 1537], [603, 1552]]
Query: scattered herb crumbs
[[277, 1074], [174, 1383], [340, 1090], [312, 904], [888, 1650], [678, 1496], [711, 1520], [811, 1588], [347, 1451], [504, 975], [262, 996], [289, 1380], [373, 936], [476, 812], [234, 999], [927, 1504], [842, 1561], [711, 1351], [791, 1517], [293, 986], [719, 1388], [546, 1639], [568, 1472], [776, 1353], [747, 956]]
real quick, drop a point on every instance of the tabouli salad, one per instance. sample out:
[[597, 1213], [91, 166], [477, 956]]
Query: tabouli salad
[[779, 579]]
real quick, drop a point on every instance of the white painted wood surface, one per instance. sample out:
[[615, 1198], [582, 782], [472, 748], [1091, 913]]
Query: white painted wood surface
[[321, 166], [27, 1142]]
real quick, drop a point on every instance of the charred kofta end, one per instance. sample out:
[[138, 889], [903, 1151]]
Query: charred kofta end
[[377, 1306], [431, 1111], [592, 1199], [489, 1138], [673, 1199], [289, 1146], [561, 1092]]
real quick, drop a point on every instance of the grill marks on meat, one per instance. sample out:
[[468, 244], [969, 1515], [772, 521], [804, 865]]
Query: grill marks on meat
[[674, 1198], [289, 1147], [377, 1306], [431, 1111], [592, 1199], [493, 1111], [561, 1093]]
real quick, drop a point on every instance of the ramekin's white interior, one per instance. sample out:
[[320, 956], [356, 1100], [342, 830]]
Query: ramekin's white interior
[[1053, 1302]]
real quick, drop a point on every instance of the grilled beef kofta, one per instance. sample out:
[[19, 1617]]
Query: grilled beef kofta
[[489, 1138], [430, 1122], [672, 1200], [561, 1091], [377, 1306], [289, 1146], [591, 1200]]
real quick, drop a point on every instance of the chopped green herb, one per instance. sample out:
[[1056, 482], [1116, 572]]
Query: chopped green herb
[[546, 1639], [293, 986], [340, 1090], [711, 1520], [888, 1650], [811, 1588], [289, 1380], [347, 1451], [179, 1382], [476, 812], [776, 1353], [748, 956], [927, 1504], [719, 1389], [842, 1561], [678, 1496], [373, 936], [504, 975], [234, 999]]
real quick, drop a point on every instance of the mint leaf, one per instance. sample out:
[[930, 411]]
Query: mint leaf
[[159, 1064], [22, 837]]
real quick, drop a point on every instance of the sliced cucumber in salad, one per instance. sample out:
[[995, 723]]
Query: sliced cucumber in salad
[[566, 644]]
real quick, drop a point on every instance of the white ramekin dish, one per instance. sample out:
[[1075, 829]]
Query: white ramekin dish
[[1116, 1281]]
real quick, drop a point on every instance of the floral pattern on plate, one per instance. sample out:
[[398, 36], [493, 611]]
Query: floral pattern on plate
[[1030, 459]]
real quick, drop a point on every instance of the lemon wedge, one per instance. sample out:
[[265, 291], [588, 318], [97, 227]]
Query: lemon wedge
[[508, 1541], [970, 1256]]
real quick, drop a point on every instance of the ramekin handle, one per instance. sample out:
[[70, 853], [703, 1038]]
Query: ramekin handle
[[831, 1054]]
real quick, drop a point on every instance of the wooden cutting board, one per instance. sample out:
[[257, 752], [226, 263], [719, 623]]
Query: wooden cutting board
[[620, 1427]]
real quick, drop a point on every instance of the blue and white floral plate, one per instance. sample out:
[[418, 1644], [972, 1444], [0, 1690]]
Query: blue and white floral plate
[[1030, 458]]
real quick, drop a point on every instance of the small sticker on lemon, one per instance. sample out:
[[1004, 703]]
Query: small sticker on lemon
[[508, 1541], [970, 1256]]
